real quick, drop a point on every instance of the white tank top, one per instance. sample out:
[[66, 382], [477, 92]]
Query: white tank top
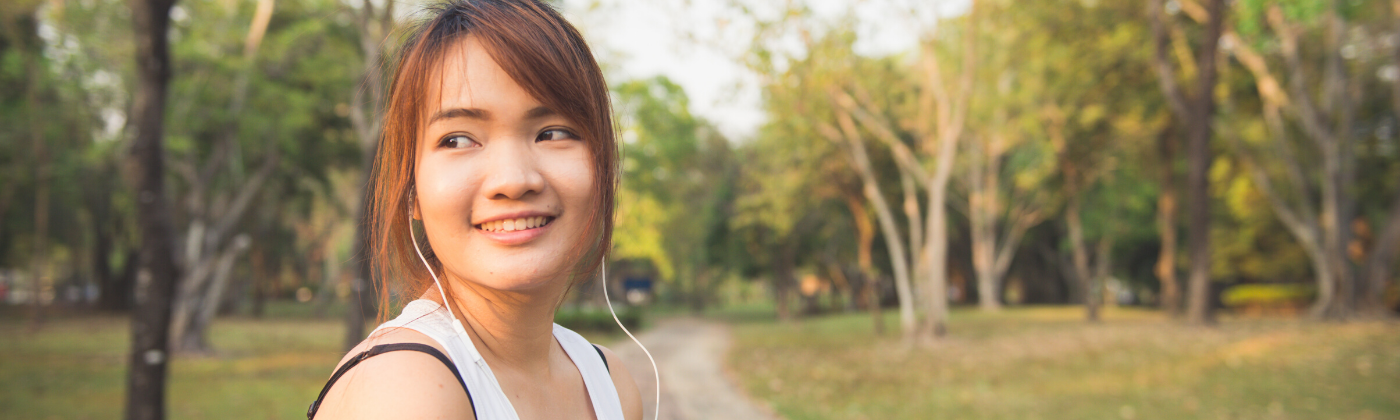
[[489, 401]]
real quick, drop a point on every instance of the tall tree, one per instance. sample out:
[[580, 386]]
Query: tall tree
[[1196, 109], [948, 101], [1320, 100], [1005, 170], [899, 255], [375, 26], [937, 124], [211, 242], [149, 358]]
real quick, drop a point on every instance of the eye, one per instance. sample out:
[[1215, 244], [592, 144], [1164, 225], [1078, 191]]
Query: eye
[[556, 134], [457, 141]]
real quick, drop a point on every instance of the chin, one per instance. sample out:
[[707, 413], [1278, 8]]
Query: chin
[[516, 274]]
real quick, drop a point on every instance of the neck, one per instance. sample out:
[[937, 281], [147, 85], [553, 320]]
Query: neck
[[510, 329]]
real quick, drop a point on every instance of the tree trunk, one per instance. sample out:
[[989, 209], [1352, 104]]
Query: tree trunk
[[951, 117], [194, 337], [981, 214], [936, 317], [150, 322], [1378, 264], [374, 30], [783, 264], [1079, 251], [1166, 224], [114, 296], [1196, 112], [913, 214], [885, 216], [1199, 157], [43, 169], [206, 252], [697, 290], [1103, 269], [360, 276], [865, 240], [214, 295], [261, 276]]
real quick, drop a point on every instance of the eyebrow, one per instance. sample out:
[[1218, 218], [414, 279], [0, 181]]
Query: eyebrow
[[484, 115]]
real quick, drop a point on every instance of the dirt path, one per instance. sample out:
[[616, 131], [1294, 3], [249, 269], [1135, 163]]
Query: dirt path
[[690, 353]]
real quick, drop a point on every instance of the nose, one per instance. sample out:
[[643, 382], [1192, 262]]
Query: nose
[[512, 171]]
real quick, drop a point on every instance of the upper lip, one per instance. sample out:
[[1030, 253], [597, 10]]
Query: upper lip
[[516, 215]]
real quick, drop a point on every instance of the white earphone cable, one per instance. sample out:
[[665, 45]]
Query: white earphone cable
[[604, 278], [456, 323]]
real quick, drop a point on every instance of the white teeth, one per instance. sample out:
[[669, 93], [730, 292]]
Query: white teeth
[[511, 225]]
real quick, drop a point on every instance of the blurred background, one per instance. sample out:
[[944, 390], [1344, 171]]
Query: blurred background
[[859, 209]]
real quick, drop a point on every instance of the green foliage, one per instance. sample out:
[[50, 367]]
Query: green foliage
[[795, 177], [1249, 241], [677, 176]]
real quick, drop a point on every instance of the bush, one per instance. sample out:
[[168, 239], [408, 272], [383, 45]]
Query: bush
[[595, 320], [1258, 299]]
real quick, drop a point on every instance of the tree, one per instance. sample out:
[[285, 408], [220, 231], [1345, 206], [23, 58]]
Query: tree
[[375, 25], [677, 171], [1005, 169], [938, 123], [211, 242], [1196, 111], [149, 357], [1316, 199]]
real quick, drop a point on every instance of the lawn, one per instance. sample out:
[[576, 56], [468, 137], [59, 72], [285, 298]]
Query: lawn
[[74, 367], [1046, 363], [1026, 363]]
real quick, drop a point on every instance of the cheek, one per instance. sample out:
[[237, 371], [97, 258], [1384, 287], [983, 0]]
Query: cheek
[[442, 187], [575, 182]]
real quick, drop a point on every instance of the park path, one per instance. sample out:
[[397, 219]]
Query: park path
[[689, 353]]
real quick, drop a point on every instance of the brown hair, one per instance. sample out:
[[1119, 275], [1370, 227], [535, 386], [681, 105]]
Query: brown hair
[[547, 57]]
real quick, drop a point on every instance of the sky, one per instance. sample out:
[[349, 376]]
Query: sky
[[698, 44]]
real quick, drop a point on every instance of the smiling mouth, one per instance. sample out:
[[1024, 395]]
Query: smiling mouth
[[512, 225]]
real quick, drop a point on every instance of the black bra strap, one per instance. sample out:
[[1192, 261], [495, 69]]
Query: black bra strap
[[601, 356], [385, 348]]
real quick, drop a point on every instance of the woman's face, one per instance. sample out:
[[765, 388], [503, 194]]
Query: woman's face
[[504, 184]]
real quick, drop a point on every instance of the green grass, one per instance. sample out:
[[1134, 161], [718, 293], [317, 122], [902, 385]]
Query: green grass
[[1046, 363], [75, 368]]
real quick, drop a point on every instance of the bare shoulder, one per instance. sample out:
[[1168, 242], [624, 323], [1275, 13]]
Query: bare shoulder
[[398, 384], [627, 390]]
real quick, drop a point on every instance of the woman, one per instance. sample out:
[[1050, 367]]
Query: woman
[[498, 138]]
